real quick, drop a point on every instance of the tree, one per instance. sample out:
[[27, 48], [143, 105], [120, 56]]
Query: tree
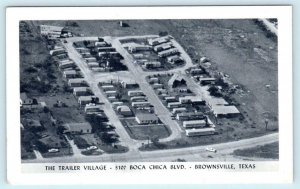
[[96, 122], [60, 130], [221, 82], [155, 139], [266, 124], [214, 91], [27, 138], [34, 101], [42, 147], [86, 43], [31, 69], [81, 142], [107, 138], [24, 86], [95, 100], [46, 109], [66, 88], [72, 24], [51, 75], [179, 160], [163, 33]]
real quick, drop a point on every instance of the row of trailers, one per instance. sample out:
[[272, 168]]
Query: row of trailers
[[75, 80], [194, 123], [102, 49]]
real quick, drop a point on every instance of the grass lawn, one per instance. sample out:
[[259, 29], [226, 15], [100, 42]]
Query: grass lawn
[[66, 98], [91, 153], [62, 152], [110, 149], [142, 132], [90, 138], [68, 114], [266, 151], [26, 154]]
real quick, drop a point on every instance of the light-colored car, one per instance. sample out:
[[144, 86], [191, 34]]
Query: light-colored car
[[53, 150], [210, 149], [92, 148], [44, 136]]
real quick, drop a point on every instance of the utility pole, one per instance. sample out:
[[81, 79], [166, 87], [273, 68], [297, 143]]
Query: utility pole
[[266, 123]]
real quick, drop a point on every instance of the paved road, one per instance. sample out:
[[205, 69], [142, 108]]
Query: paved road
[[197, 153], [269, 25], [38, 155], [76, 150]]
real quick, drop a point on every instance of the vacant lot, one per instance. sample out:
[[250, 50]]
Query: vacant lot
[[240, 49], [68, 115], [112, 27], [267, 151]]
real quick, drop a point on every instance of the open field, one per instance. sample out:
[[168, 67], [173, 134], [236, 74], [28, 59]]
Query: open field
[[230, 46], [266, 151], [111, 27]]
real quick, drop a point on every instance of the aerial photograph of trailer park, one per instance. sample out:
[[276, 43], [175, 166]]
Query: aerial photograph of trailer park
[[148, 90]]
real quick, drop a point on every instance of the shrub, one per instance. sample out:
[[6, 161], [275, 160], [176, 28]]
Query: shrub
[[31, 69], [72, 23], [163, 33], [46, 109], [80, 142], [214, 91]]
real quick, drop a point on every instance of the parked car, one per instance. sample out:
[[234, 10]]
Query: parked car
[[210, 149], [92, 148], [53, 150], [44, 136]]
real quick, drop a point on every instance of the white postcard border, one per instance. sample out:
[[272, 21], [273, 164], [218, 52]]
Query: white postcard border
[[285, 163]]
